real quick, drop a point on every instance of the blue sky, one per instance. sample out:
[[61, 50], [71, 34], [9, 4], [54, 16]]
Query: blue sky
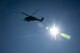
[[18, 36]]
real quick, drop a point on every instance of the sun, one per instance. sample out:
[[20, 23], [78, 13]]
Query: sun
[[54, 31]]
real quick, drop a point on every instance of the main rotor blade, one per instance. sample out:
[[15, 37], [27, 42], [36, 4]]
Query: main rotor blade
[[35, 12], [24, 13]]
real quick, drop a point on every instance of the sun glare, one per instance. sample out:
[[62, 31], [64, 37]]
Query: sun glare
[[54, 31]]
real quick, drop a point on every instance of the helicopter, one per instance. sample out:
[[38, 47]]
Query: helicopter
[[30, 18]]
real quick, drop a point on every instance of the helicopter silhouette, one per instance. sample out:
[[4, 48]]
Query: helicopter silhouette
[[31, 17]]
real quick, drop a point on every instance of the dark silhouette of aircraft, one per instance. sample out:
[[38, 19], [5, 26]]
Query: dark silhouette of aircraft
[[31, 17]]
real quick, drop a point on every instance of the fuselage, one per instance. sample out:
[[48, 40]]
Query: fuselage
[[31, 18]]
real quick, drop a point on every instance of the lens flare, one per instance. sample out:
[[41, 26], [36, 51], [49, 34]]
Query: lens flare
[[66, 36]]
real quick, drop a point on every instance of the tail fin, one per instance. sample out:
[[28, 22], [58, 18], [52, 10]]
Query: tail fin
[[42, 19]]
